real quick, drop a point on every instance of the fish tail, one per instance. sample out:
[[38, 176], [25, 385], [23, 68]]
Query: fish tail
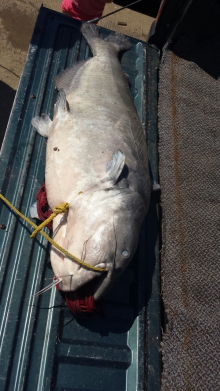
[[90, 31], [91, 35], [119, 42]]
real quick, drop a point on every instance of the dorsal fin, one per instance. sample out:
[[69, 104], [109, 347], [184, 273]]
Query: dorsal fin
[[67, 79]]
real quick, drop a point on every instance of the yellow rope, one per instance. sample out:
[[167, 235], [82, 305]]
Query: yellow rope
[[59, 209]]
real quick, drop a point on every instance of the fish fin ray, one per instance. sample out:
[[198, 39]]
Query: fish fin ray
[[65, 79], [119, 41], [90, 31], [42, 124], [115, 166], [91, 35], [61, 103]]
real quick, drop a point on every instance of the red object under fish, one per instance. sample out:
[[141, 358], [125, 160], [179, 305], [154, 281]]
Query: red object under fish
[[82, 301], [43, 208]]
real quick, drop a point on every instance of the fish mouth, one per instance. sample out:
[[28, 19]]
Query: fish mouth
[[81, 302]]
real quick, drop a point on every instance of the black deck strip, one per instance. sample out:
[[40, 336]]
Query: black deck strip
[[189, 151], [42, 346]]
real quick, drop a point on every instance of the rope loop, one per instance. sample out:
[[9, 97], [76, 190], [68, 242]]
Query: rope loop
[[62, 208]]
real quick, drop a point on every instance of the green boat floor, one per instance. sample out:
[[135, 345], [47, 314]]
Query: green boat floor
[[42, 345]]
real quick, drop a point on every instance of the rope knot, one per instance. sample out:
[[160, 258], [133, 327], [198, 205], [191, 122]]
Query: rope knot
[[61, 208]]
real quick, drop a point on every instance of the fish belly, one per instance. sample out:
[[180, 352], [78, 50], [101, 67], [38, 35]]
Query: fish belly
[[101, 120]]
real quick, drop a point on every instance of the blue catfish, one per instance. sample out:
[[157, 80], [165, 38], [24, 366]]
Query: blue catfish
[[96, 161]]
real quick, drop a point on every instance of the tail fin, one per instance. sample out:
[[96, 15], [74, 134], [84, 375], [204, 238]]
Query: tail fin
[[119, 42], [89, 31], [91, 35]]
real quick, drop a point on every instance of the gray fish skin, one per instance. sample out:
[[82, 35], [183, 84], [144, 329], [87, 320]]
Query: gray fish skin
[[97, 161]]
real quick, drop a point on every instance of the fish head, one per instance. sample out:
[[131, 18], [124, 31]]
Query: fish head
[[127, 214], [102, 231]]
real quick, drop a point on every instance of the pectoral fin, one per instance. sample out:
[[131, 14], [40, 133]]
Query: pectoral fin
[[115, 166], [113, 171], [42, 124]]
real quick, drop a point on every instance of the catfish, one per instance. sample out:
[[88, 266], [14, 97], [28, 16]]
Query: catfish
[[97, 161]]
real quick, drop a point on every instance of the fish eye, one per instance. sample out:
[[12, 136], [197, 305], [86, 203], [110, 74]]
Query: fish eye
[[125, 253]]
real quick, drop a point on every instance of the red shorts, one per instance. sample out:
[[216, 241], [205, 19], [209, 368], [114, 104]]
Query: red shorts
[[83, 9]]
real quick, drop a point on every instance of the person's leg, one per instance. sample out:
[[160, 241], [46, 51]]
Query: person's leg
[[66, 13], [66, 7]]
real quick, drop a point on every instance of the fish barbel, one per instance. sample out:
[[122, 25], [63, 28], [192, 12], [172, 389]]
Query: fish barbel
[[97, 161]]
